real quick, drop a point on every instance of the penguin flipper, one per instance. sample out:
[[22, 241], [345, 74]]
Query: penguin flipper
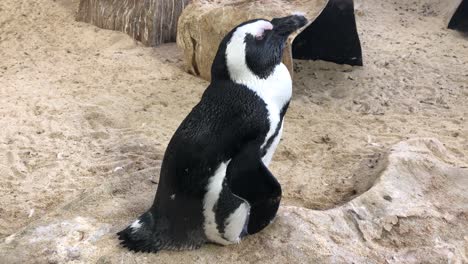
[[251, 180]]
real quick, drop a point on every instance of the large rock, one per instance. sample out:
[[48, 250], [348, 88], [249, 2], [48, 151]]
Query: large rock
[[152, 22], [204, 23], [416, 212]]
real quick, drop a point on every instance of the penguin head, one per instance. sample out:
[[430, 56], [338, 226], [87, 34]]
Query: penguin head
[[254, 48]]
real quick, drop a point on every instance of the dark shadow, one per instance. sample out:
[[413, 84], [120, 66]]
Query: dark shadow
[[331, 37], [459, 20]]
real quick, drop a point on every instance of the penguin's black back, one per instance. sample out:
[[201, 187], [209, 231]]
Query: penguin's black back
[[228, 116]]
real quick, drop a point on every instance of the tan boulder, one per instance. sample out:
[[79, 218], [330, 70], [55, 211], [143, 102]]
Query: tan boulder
[[204, 23]]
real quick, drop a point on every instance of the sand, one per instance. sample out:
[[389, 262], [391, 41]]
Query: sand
[[82, 108]]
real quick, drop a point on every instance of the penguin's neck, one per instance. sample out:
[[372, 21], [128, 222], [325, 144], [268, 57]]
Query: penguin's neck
[[275, 90]]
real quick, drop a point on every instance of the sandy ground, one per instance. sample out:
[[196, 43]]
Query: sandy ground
[[83, 107]]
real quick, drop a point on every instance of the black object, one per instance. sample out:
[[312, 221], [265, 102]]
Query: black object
[[459, 20], [331, 37]]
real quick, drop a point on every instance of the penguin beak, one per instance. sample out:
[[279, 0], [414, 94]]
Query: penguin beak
[[284, 26]]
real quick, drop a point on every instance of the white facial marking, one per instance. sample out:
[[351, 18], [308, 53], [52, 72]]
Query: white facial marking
[[255, 29], [235, 222], [135, 225], [275, 90], [235, 50], [214, 188], [173, 197]]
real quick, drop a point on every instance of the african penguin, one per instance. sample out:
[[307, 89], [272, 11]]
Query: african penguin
[[214, 184]]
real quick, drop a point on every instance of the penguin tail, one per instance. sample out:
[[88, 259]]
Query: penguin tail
[[150, 234], [140, 236]]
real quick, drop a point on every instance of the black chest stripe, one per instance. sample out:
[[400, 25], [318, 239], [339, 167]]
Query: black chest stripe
[[278, 127]]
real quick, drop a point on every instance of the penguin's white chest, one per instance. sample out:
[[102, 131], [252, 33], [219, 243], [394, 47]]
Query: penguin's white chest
[[275, 91]]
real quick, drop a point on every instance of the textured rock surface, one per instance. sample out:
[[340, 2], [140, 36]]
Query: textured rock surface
[[204, 23], [416, 212], [152, 22]]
